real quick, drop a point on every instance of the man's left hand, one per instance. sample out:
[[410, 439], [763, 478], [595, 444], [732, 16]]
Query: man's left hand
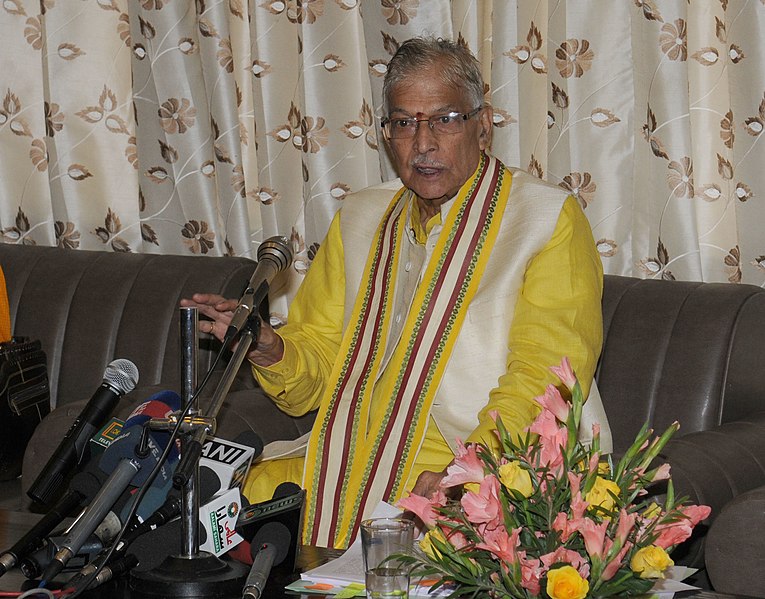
[[428, 482]]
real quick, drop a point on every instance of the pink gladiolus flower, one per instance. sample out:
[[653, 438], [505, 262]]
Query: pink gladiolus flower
[[594, 536], [501, 544], [676, 532], [545, 425], [625, 525], [592, 466], [561, 524], [578, 504], [662, 473], [484, 506], [456, 537], [575, 482], [423, 508], [531, 573], [553, 401], [566, 556], [613, 566], [565, 373], [467, 467], [578, 507], [552, 439], [696, 513]]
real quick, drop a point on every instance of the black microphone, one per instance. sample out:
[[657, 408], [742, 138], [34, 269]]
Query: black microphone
[[152, 544], [109, 572], [130, 458], [35, 564], [121, 377], [82, 488], [269, 548], [274, 255]]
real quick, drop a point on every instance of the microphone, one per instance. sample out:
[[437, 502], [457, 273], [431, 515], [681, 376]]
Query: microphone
[[120, 377], [230, 461], [35, 564], [274, 255], [130, 459], [160, 535], [82, 488], [269, 548], [217, 473]]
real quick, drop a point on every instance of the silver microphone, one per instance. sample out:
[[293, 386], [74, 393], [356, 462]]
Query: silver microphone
[[274, 256]]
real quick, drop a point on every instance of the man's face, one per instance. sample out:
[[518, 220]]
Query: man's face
[[436, 166]]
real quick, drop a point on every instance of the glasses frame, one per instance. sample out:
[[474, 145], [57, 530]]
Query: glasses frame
[[429, 120]]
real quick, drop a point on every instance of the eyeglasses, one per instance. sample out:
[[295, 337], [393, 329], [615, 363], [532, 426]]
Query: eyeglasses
[[448, 123]]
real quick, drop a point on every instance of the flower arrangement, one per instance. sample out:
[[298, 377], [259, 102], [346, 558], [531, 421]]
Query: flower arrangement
[[548, 516]]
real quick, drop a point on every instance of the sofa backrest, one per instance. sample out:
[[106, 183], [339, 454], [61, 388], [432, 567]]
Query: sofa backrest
[[685, 351], [89, 308]]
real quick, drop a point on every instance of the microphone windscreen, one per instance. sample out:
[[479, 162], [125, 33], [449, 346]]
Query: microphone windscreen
[[250, 439], [286, 489], [208, 479], [275, 534], [88, 481], [124, 447], [153, 547], [156, 495], [158, 406], [121, 375]]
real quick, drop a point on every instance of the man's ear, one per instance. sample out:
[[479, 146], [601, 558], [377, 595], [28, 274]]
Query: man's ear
[[486, 120]]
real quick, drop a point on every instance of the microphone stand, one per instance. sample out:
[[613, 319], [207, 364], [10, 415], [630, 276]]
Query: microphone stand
[[195, 573]]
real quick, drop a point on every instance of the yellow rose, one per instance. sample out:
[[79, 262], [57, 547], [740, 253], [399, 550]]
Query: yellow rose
[[604, 468], [426, 543], [601, 493], [652, 511], [566, 583], [650, 562], [472, 487], [516, 478]]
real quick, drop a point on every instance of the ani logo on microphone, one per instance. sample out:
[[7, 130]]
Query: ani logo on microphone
[[229, 460]]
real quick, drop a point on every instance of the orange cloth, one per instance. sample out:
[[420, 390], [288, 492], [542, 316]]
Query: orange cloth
[[5, 311]]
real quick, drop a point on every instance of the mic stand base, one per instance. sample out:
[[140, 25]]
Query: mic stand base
[[201, 576]]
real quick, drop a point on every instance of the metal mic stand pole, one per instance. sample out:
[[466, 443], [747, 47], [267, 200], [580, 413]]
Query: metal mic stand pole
[[194, 573], [189, 318]]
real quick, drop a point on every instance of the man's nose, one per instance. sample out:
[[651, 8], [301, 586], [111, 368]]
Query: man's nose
[[424, 138]]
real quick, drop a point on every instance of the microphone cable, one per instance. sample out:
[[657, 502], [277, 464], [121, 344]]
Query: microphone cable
[[84, 583], [37, 592]]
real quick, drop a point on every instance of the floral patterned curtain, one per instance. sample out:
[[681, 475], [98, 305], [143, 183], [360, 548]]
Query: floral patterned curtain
[[171, 126]]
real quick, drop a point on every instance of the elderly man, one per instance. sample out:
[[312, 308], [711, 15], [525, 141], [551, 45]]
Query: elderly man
[[433, 301]]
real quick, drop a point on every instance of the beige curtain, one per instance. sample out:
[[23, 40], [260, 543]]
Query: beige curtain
[[172, 126]]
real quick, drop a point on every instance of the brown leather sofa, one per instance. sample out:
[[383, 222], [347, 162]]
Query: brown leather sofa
[[89, 308], [691, 352]]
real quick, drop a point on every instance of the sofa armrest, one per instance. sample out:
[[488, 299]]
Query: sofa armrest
[[735, 546], [713, 467]]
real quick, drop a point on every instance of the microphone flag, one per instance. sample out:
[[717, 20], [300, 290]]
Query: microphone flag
[[229, 460], [219, 517]]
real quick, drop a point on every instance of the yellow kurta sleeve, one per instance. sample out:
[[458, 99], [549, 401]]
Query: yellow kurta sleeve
[[313, 334], [558, 313]]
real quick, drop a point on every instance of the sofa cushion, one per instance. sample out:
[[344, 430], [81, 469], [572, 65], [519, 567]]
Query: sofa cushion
[[678, 350]]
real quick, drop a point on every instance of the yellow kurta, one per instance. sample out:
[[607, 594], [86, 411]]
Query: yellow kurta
[[557, 314]]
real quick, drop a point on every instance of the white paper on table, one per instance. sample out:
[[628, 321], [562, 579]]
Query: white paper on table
[[349, 567], [672, 583]]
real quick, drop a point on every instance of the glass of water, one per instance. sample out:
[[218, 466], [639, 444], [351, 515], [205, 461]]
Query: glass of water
[[381, 538]]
